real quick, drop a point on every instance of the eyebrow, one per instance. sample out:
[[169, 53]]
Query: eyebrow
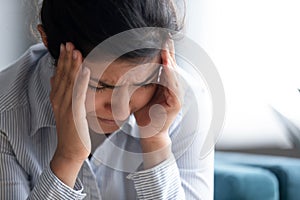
[[135, 84]]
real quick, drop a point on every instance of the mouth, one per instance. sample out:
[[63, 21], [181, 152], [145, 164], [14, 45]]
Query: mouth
[[110, 122], [107, 121]]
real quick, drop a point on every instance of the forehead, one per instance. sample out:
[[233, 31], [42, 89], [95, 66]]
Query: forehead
[[122, 70]]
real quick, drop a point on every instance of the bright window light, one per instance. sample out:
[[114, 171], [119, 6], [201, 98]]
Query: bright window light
[[256, 47]]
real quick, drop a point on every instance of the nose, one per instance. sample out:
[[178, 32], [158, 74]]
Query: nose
[[120, 103]]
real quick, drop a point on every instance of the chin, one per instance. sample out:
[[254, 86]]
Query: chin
[[100, 127], [104, 130]]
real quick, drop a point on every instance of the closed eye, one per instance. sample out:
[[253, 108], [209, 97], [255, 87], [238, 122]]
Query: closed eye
[[96, 89], [149, 82], [148, 85]]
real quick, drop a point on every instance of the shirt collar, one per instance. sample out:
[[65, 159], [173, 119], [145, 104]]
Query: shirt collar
[[130, 127]]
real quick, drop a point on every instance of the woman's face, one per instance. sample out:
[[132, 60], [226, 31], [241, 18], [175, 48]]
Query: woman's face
[[123, 88]]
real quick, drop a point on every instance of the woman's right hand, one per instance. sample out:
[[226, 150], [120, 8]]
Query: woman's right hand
[[68, 94]]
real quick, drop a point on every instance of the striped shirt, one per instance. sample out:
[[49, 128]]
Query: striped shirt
[[115, 171]]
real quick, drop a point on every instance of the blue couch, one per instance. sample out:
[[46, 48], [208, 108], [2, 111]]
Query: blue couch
[[257, 177]]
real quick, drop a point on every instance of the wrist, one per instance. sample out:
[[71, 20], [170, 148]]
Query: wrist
[[155, 143], [65, 168], [155, 149]]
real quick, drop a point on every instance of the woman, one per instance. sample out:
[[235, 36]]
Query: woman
[[69, 131]]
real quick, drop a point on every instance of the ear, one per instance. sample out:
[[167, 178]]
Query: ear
[[43, 34]]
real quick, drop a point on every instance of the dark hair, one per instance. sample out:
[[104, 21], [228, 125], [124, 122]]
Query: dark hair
[[86, 23]]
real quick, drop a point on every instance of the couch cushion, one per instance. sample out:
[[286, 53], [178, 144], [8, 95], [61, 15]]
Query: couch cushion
[[233, 181], [287, 170]]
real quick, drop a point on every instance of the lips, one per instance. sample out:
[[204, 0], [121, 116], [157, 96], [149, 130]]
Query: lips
[[110, 121], [107, 121]]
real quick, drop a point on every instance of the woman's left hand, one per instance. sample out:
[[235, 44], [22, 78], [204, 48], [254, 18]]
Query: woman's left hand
[[156, 117]]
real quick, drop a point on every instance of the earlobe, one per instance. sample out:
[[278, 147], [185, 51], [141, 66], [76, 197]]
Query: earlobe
[[43, 34]]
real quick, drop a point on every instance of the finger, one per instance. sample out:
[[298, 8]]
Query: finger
[[171, 55], [172, 61], [67, 77], [55, 80], [69, 57], [72, 78], [59, 69], [171, 97], [170, 81], [169, 68], [171, 48], [79, 94], [167, 58], [64, 78], [169, 76], [159, 94], [174, 78], [164, 57], [63, 66]]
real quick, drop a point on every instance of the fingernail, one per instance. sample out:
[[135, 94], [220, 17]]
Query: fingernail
[[68, 46], [74, 55], [61, 47], [85, 71]]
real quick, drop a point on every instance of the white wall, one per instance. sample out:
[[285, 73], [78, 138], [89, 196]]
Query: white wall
[[15, 35], [255, 45]]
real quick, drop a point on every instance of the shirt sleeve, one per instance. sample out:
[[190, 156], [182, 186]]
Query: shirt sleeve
[[160, 182], [15, 182], [50, 187], [188, 177]]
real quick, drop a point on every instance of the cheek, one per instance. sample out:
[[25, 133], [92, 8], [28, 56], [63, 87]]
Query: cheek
[[95, 100], [89, 102], [141, 97]]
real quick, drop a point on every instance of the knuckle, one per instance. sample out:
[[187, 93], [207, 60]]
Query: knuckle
[[58, 69], [55, 105], [61, 57], [63, 75], [70, 82], [73, 77]]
